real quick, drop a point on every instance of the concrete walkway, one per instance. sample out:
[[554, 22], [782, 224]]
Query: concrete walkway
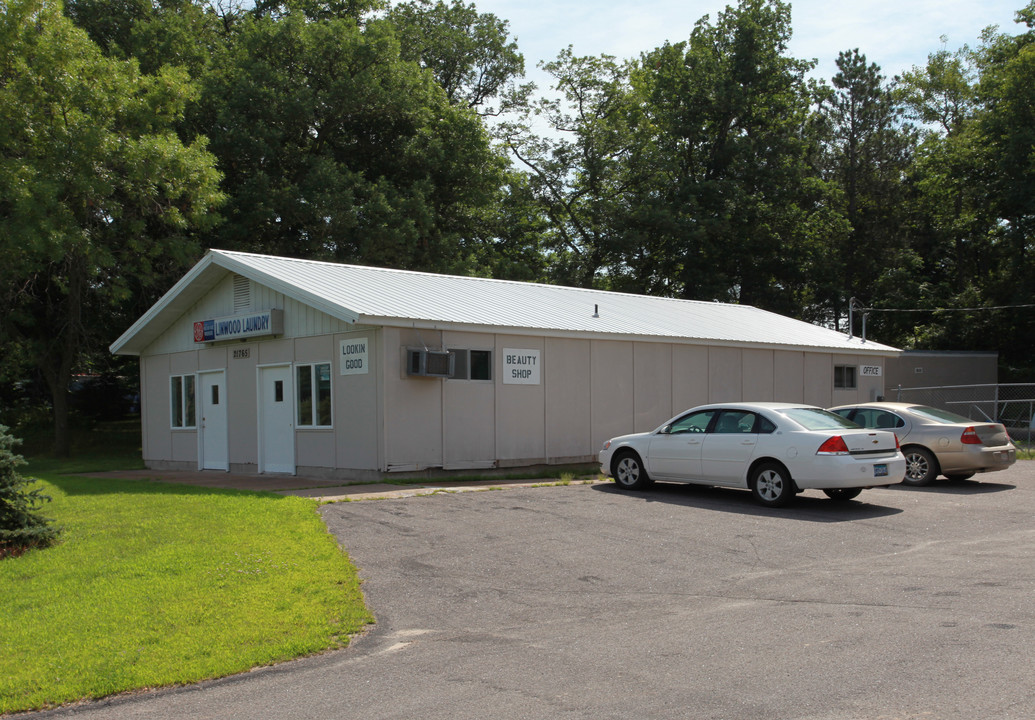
[[322, 489]]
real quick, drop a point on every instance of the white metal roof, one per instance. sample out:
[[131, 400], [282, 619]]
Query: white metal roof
[[380, 296]]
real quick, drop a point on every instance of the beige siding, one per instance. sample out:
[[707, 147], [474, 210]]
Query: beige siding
[[652, 384], [612, 403], [468, 412], [788, 376], [758, 375], [521, 409], [413, 406], [569, 421], [358, 422], [819, 379], [690, 386], [243, 405], [300, 320], [725, 375]]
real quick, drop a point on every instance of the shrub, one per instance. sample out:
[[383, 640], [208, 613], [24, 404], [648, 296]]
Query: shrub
[[21, 525]]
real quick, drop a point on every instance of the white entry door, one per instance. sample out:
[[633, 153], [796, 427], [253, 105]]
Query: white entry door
[[213, 453], [276, 420]]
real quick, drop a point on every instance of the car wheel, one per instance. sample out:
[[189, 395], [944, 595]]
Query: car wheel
[[960, 477], [843, 494], [628, 471], [771, 485], [921, 467]]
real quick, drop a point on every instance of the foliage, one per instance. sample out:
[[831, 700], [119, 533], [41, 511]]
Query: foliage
[[99, 196], [333, 147], [156, 585], [21, 525], [469, 53]]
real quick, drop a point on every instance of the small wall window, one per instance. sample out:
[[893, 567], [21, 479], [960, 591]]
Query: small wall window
[[844, 377], [471, 364], [181, 401], [314, 395]]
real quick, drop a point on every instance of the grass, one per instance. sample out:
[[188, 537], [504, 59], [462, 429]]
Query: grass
[[153, 585]]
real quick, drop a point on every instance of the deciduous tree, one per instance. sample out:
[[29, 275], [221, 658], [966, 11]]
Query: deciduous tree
[[99, 198]]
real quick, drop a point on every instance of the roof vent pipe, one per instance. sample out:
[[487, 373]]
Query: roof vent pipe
[[596, 311]]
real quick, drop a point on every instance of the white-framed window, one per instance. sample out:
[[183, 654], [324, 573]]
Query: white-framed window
[[844, 377], [181, 402], [313, 392], [471, 364]]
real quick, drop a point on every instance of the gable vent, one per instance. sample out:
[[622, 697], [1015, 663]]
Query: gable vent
[[242, 293]]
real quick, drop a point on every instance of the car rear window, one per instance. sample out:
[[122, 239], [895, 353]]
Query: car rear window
[[817, 419], [939, 416]]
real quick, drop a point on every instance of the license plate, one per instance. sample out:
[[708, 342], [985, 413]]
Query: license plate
[[880, 470]]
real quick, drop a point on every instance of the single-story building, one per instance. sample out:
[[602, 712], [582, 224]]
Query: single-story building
[[253, 363], [933, 368]]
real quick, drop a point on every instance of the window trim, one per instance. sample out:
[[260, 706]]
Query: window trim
[[180, 397], [314, 398], [844, 382], [465, 364]]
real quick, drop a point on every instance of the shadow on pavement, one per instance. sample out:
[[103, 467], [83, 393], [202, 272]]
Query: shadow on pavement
[[804, 507]]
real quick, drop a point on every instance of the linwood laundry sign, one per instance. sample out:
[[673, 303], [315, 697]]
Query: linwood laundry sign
[[234, 327]]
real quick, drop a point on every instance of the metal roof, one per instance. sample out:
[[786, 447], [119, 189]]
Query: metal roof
[[401, 298]]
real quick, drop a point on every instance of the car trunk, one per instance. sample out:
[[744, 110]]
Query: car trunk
[[992, 434], [865, 443]]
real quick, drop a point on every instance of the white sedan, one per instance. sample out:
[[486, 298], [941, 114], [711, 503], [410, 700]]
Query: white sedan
[[774, 449]]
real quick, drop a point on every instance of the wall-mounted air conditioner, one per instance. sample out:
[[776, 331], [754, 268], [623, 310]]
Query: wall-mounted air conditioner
[[429, 363]]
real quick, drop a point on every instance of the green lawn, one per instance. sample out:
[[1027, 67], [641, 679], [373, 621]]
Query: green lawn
[[153, 584]]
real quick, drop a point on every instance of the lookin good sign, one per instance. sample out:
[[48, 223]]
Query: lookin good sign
[[236, 327], [355, 357], [520, 367]]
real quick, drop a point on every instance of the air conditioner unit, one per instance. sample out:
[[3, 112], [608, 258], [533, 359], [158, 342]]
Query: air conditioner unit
[[429, 363]]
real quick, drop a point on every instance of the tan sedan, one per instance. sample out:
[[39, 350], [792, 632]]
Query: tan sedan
[[937, 442]]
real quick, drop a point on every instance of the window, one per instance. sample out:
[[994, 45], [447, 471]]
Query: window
[[844, 377], [471, 364], [693, 423], [314, 395], [181, 401], [735, 421]]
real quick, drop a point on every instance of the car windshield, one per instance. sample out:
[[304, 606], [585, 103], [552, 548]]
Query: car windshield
[[817, 419], [943, 417]]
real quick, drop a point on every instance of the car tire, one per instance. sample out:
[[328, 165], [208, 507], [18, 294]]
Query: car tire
[[628, 471], [960, 477], [842, 494], [772, 485], [921, 466]]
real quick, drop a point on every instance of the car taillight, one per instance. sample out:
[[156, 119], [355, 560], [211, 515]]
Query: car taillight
[[898, 446], [833, 446], [970, 437]]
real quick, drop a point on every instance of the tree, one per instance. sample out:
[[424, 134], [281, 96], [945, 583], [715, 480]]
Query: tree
[[579, 174], [21, 524], [332, 147], [730, 109], [869, 152], [99, 198], [470, 54], [184, 33]]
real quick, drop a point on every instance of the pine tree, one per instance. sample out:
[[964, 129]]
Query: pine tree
[[21, 525]]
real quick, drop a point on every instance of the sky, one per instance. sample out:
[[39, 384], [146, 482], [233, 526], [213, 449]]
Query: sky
[[895, 34]]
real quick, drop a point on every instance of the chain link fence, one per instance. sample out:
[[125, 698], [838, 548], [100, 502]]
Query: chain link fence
[[1012, 404]]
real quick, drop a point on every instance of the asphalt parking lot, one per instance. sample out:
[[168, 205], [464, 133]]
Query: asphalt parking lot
[[679, 602]]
